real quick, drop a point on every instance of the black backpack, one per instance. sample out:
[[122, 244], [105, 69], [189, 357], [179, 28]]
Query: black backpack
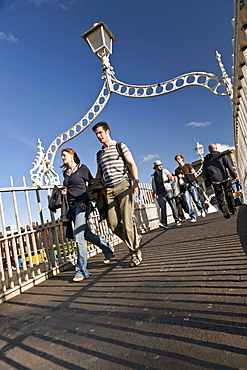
[[120, 152]]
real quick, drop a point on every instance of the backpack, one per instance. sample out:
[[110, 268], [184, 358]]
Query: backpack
[[119, 150]]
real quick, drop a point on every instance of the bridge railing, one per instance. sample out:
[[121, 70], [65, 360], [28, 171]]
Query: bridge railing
[[33, 245]]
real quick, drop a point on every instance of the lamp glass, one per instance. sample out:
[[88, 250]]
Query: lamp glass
[[95, 39], [108, 41]]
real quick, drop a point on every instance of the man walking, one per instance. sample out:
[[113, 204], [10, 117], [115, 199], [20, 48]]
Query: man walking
[[162, 188], [214, 171], [186, 175], [115, 166]]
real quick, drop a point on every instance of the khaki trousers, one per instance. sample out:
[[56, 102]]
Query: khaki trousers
[[120, 201]]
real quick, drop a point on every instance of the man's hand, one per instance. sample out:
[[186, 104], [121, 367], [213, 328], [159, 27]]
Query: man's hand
[[170, 177], [64, 191], [136, 189]]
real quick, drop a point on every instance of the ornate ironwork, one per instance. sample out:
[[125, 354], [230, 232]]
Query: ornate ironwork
[[203, 79], [43, 171], [225, 78], [199, 171]]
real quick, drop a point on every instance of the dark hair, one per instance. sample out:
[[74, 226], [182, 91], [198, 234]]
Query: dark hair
[[102, 124], [72, 152], [179, 155]]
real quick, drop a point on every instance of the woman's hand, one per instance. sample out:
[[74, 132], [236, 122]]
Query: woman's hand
[[64, 191], [84, 206]]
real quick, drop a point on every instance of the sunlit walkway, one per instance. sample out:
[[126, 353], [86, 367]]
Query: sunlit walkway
[[184, 308]]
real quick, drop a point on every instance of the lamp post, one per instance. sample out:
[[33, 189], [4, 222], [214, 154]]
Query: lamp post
[[199, 151], [100, 40]]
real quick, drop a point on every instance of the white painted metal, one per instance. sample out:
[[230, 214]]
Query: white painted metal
[[33, 252], [239, 89], [32, 232], [43, 171], [202, 79]]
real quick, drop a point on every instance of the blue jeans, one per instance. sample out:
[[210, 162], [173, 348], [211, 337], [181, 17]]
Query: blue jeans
[[192, 191], [169, 197], [82, 233]]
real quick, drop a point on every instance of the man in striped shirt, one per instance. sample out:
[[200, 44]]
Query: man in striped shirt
[[115, 168]]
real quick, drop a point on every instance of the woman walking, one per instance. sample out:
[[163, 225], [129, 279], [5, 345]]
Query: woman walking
[[76, 176]]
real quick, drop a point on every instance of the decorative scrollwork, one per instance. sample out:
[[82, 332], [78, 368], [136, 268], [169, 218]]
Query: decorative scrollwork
[[199, 171], [43, 170], [225, 78], [203, 79]]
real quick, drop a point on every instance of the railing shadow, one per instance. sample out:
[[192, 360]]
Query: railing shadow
[[242, 226], [184, 308]]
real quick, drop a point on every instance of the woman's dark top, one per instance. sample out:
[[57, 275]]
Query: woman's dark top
[[76, 184]]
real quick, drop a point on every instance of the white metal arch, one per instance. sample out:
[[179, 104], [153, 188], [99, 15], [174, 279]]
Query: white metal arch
[[43, 170]]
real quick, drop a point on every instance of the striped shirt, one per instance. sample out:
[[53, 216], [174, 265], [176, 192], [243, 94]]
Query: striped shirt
[[113, 168]]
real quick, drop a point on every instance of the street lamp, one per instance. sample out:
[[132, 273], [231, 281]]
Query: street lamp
[[100, 40], [199, 150]]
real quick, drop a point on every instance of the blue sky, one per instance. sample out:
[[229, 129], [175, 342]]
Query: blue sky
[[49, 78]]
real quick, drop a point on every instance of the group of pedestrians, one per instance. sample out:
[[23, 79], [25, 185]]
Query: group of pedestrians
[[177, 190], [181, 187], [117, 171]]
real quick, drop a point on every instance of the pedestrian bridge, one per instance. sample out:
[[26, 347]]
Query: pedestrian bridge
[[184, 307]]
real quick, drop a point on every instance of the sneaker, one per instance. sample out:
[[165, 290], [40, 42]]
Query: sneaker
[[163, 226], [134, 262], [193, 220], [78, 278], [136, 259], [227, 215], [178, 223], [203, 214], [107, 260], [182, 219], [139, 255]]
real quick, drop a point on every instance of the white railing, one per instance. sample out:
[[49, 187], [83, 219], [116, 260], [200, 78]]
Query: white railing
[[32, 239]]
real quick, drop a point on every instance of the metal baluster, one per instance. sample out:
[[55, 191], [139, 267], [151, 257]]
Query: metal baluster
[[22, 249], [4, 288], [49, 254], [32, 232]]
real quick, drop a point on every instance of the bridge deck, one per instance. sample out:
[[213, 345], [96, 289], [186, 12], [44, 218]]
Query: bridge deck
[[184, 308]]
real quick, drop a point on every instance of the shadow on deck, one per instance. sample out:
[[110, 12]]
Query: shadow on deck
[[184, 307]]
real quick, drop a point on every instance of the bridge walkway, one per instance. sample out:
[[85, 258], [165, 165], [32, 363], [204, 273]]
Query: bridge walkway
[[184, 307]]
